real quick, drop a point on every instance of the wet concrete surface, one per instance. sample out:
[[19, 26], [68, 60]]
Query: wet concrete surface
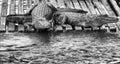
[[70, 47]]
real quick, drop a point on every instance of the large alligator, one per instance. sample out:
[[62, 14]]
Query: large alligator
[[81, 19], [46, 11]]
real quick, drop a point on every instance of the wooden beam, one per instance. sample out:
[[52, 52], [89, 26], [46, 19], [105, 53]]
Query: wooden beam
[[61, 3], [36, 1], [54, 3], [25, 7], [8, 10], [20, 7], [12, 7], [69, 3], [114, 4], [101, 10], [96, 10], [47, 0], [29, 3], [3, 13], [4, 7], [91, 8], [107, 6], [105, 10], [76, 4], [17, 6], [83, 5], [0, 14]]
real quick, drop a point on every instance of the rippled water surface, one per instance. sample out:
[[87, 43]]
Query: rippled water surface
[[56, 41], [48, 38]]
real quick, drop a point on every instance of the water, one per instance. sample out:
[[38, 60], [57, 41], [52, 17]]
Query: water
[[47, 46], [48, 38]]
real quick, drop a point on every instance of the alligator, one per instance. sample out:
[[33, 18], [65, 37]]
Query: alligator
[[100, 20], [46, 10], [80, 19], [71, 10]]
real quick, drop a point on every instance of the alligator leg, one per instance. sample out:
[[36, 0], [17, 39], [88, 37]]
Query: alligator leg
[[54, 28], [64, 28], [82, 28], [6, 27], [16, 27], [99, 27], [73, 27]]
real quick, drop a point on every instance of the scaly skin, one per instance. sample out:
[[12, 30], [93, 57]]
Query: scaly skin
[[46, 11], [81, 19], [71, 10], [70, 18], [100, 20], [43, 10]]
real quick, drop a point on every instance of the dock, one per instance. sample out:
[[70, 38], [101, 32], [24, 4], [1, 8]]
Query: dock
[[109, 7]]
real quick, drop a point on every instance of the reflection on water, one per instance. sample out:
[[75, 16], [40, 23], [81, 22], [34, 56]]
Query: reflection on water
[[50, 38]]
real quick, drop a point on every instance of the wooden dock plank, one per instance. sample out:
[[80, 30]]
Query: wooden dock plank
[[8, 10], [104, 8], [83, 5], [107, 6], [3, 14], [54, 3], [115, 6], [94, 8], [17, 7], [91, 8], [0, 14], [29, 3], [25, 6], [96, 3], [20, 7], [76, 4], [36, 1], [61, 3], [69, 3], [47, 0], [4, 7]]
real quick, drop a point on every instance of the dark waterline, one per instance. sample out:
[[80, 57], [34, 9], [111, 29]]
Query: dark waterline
[[49, 38]]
